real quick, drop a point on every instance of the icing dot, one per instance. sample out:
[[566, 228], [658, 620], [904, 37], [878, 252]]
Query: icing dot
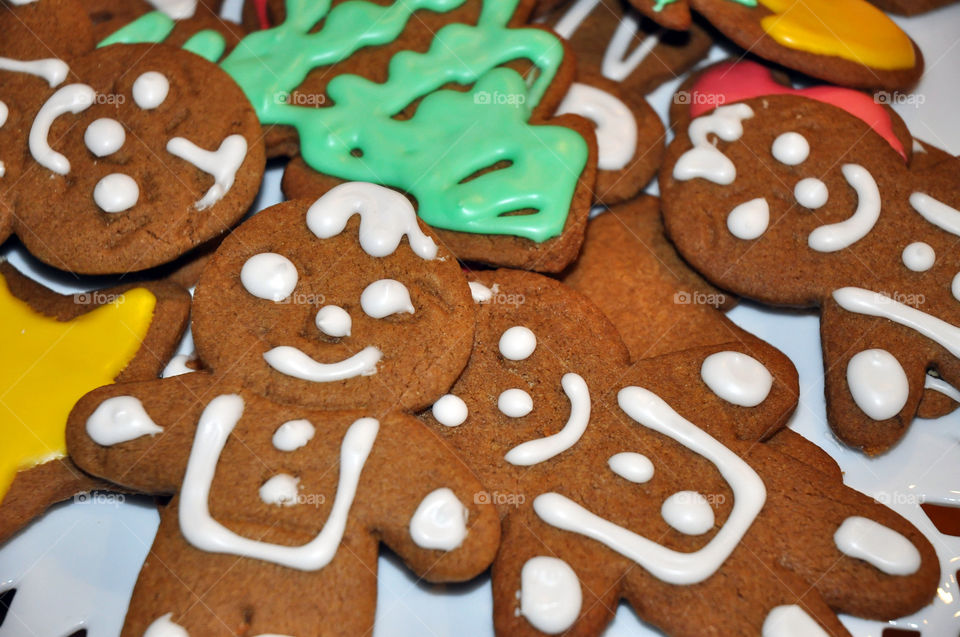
[[293, 435], [116, 192], [269, 276], [688, 512], [515, 403], [634, 467], [382, 298], [150, 90], [517, 343], [955, 286], [878, 383], [440, 522], [281, 490], [811, 193], [480, 292], [881, 546], [450, 410], [550, 595], [790, 148], [750, 219], [104, 136], [919, 256], [791, 621], [737, 378], [334, 321], [163, 626], [120, 419]]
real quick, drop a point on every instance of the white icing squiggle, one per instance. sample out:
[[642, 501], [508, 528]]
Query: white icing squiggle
[[616, 127], [880, 546], [73, 98], [382, 298], [750, 219], [704, 160], [542, 449], [837, 236], [671, 566], [52, 70], [386, 217], [202, 531], [936, 212], [221, 164], [440, 521], [550, 595], [877, 383], [942, 386], [294, 362], [120, 419]]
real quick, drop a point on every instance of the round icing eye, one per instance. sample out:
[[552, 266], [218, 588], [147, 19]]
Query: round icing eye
[[919, 256], [811, 193], [104, 136], [116, 192], [334, 321], [269, 276], [515, 403], [688, 512], [150, 90], [517, 343], [450, 410], [382, 298], [790, 149]]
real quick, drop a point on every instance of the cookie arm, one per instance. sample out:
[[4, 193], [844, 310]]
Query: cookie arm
[[138, 435]]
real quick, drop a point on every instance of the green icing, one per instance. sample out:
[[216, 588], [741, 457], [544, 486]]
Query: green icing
[[152, 27], [208, 44]]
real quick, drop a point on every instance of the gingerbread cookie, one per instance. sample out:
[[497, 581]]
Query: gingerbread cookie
[[910, 7], [291, 457], [650, 482], [803, 204], [57, 348]]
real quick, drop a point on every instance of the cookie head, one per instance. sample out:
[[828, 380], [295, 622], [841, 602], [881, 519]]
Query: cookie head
[[338, 303], [143, 153]]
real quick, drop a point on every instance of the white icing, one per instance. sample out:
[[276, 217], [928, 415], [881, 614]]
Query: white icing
[[749, 494], [165, 627], [382, 298], [176, 9], [688, 512], [936, 212], [568, 24], [150, 89], [480, 292], [877, 383], [440, 521], [4, 113], [73, 98], [281, 490], [955, 286], [704, 160], [550, 595], [52, 70], [202, 531], [634, 467], [515, 403], [542, 449], [811, 193], [942, 386], [616, 127], [450, 410], [737, 378], [837, 236], [334, 321], [870, 303], [385, 217], [293, 362], [178, 366], [221, 164], [790, 148], [878, 545], [104, 136], [269, 276], [919, 256], [120, 419], [293, 435], [750, 219], [116, 193], [791, 621], [517, 343]]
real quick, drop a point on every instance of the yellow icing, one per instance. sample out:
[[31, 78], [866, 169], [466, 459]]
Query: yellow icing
[[46, 365], [850, 29]]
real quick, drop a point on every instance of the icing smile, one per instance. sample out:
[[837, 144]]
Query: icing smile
[[294, 362]]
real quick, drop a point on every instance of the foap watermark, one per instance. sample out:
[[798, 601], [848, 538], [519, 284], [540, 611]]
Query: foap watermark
[[303, 298], [891, 98], [699, 98], [714, 299], [300, 99], [905, 298], [100, 497], [110, 98], [896, 498], [97, 298], [498, 98], [499, 498]]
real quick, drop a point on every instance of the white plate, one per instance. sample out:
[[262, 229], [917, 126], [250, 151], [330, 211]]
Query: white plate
[[75, 567]]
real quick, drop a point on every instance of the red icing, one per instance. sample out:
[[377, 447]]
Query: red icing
[[261, 7], [730, 82]]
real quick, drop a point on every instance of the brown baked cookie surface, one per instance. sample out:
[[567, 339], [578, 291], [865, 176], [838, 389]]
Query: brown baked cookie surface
[[590, 460], [802, 204]]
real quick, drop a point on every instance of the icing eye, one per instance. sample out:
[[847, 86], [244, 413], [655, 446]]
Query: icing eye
[[334, 321], [450, 410], [790, 149], [634, 467], [517, 343], [750, 219], [688, 512], [104, 136], [382, 298], [282, 490], [811, 193], [150, 90], [919, 256], [293, 434], [116, 192], [269, 276], [515, 403]]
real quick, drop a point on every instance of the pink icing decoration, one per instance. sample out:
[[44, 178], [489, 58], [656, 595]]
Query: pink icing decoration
[[737, 81]]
